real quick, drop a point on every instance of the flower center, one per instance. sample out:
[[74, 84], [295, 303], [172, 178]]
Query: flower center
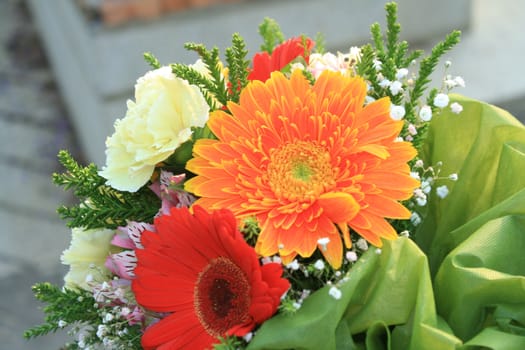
[[221, 296], [300, 171]]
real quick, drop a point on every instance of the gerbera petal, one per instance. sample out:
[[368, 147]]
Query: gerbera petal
[[303, 159], [338, 206], [333, 251], [268, 240], [391, 180], [386, 207], [297, 240], [376, 150], [345, 232], [191, 261], [176, 331], [379, 228]]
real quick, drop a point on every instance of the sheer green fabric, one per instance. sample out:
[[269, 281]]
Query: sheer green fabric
[[463, 285]]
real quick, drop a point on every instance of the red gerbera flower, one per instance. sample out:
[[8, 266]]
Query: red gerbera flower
[[199, 268], [282, 55]]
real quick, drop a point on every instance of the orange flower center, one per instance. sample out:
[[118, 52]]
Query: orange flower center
[[300, 171], [222, 296]]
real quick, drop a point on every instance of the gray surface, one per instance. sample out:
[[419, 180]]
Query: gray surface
[[33, 127]]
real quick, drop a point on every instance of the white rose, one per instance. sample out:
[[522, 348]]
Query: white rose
[[155, 125], [86, 257]]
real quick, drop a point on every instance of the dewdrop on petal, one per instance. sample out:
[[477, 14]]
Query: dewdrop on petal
[[323, 242]]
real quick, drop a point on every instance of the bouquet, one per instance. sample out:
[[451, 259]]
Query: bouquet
[[299, 199]]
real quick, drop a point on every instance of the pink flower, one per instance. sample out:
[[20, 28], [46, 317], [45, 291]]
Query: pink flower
[[169, 190], [122, 264]]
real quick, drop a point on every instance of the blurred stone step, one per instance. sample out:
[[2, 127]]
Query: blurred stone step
[[28, 193], [31, 241], [29, 142]]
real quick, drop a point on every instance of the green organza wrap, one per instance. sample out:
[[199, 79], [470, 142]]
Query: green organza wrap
[[462, 286]]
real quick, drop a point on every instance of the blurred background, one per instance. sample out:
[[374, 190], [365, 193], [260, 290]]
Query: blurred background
[[68, 66]]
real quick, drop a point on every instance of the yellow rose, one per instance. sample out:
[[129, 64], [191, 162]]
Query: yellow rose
[[155, 125], [86, 256]]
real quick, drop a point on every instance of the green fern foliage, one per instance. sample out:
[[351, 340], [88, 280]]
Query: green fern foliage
[[66, 305], [382, 59], [271, 34], [238, 67], [100, 205]]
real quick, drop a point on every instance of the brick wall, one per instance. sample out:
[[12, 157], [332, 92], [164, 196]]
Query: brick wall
[[117, 12]]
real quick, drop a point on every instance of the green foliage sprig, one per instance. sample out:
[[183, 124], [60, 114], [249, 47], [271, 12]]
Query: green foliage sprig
[[100, 205], [152, 60], [271, 34], [238, 66], [78, 309], [229, 343], [212, 87], [428, 66], [64, 305], [393, 54]]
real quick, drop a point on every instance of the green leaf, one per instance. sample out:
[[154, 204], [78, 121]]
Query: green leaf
[[271, 34], [100, 206], [386, 291], [485, 146], [475, 239]]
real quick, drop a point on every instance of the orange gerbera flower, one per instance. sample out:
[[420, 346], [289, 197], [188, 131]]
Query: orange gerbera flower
[[308, 162]]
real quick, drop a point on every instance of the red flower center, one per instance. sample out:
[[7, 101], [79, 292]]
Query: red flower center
[[222, 296]]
